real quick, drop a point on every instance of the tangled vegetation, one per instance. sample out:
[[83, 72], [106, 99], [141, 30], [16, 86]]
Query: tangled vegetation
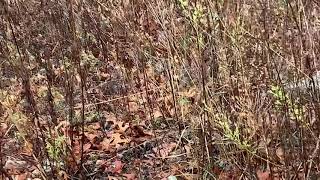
[[135, 89]]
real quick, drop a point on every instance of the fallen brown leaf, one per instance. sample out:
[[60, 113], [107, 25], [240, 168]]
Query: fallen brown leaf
[[122, 127], [263, 175], [95, 126], [112, 178], [280, 153], [133, 106], [165, 149], [3, 128], [157, 114], [22, 176], [114, 140], [91, 137], [14, 164], [63, 175], [86, 147], [117, 167], [106, 144], [130, 176]]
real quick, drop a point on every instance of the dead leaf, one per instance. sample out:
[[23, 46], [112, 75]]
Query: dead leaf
[[119, 138], [122, 127], [14, 164], [95, 126], [86, 147], [114, 140], [216, 169], [130, 176], [106, 144], [157, 114], [100, 162], [117, 166], [28, 148], [141, 132], [91, 137], [133, 106], [263, 175], [225, 176], [165, 149], [112, 178], [188, 150], [280, 153], [22, 176], [63, 175], [3, 128]]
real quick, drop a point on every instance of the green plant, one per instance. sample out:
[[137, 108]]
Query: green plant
[[197, 14], [233, 135], [282, 99], [55, 148]]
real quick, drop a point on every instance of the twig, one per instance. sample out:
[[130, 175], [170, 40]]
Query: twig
[[312, 157]]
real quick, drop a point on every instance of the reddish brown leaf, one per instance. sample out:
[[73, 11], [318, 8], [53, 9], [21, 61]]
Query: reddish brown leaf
[[63, 175], [112, 178], [263, 175], [106, 144], [164, 149], [140, 132], [157, 114], [122, 127], [3, 128], [86, 147], [133, 106], [130, 176], [91, 137], [95, 126], [22, 176], [117, 166]]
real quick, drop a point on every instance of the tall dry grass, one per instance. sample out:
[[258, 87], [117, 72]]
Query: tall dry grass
[[218, 68]]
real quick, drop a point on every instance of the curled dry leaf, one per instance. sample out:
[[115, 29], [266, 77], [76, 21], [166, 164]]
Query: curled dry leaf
[[140, 131]]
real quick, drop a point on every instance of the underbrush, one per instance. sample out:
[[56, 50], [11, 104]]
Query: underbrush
[[159, 89]]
